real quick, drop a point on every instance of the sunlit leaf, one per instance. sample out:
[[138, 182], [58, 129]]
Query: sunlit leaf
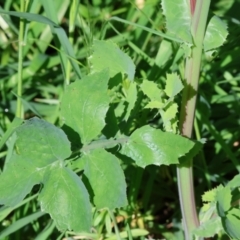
[[152, 146], [85, 104], [107, 54], [173, 85], [216, 34], [178, 19]]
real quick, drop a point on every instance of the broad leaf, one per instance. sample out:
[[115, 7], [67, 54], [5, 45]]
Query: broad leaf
[[107, 54], [66, 199], [106, 178], [173, 85], [17, 180], [38, 144], [216, 34], [152, 146], [231, 225], [178, 18], [223, 198], [85, 104], [42, 142]]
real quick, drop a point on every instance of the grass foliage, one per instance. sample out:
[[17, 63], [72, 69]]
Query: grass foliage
[[55, 50]]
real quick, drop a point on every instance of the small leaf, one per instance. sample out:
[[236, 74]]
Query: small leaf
[[223, 198], [235, 182], [155, 104], [210, 195], [173, 85], [107, 54], [178, 19], [66, 199], [152, 91], [209, 228], [85, 104], [216, 34], [106, 179], [152, 146]]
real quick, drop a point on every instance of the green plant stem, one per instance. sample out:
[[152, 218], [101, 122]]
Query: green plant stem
[[19, 110], [192, 70], [72, 17]]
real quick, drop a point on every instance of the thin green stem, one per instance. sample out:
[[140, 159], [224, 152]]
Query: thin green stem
[[72, 17], [192, 70], [19, 110], [114, 224]]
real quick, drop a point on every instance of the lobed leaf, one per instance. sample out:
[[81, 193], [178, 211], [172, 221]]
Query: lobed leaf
[[106, 178], [152, 146], [216, 34], [107, 54], [66, 199], [38, 144], [85, 104]]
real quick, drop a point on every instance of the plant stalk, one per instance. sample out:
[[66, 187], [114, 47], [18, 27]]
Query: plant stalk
[[192, 71], [19, 109]]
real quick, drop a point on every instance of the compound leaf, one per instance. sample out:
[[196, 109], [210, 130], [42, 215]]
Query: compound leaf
[[178, 19], [216, 34], [66, 199], [85, 104], [106, 178], [152, 146], [107, 54]]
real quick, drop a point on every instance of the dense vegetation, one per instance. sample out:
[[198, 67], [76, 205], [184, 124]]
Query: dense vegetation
[[34, 82]]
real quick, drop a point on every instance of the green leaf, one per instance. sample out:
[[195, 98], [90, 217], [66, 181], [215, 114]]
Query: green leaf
[[155, 104], [42, 142], [38, 144], [178, 19], [152, 91], [66, 199], [85, 104], [173, 85], [209, 228], [107, 54], [210, 195], [216, 34], [17, 180], [152, 146], [223, 197], [106, 178], [235, 182], [231, 225]]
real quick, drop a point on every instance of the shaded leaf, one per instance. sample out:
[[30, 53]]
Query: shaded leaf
[[85, 104], [38, 144], [66, 199], [223, 197], [152, 146], [107, 54], [106, 179], [231, 226]]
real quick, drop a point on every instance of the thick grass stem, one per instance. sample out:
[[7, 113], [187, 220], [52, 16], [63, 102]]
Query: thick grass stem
[[192, 70]]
